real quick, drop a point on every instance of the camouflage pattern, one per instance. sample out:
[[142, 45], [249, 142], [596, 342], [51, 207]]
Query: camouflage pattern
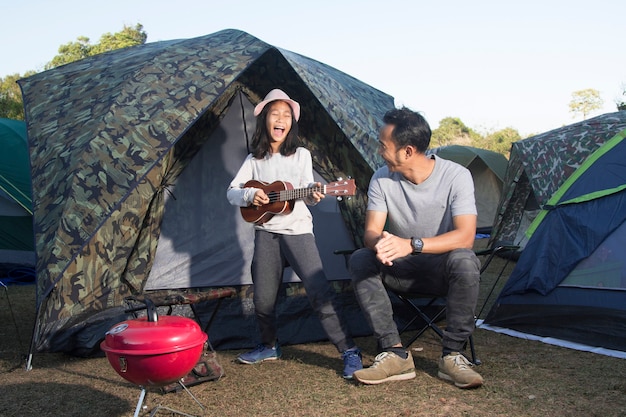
[[539, 165], [108, 133]]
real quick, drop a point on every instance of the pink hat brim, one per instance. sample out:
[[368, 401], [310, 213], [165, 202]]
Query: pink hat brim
[[277, 94]]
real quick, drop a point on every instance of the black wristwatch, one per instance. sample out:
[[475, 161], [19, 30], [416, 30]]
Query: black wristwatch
[[418, 244]]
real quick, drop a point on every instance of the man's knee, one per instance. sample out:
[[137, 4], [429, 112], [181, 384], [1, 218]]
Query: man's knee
[[464, 262], [362, 263]]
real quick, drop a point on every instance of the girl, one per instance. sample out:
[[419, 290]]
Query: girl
[[286, 238]]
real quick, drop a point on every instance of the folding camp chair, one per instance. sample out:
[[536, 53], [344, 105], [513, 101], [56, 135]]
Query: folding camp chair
[[433, 309]]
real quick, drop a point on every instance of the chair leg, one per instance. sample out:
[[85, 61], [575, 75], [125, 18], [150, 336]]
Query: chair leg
[[211, 317], [430, 321], [431, 324], [474, 359]]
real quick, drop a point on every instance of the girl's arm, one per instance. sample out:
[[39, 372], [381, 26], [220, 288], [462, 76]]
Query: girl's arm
[[237, 194]]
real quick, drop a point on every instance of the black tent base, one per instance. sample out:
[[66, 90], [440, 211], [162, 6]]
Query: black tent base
[[592, 326]]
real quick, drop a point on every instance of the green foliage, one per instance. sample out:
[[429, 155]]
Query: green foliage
[[11, 97], [70, 52], [621, 101], [127, 37], [500, 141], [11, 104], [73, 51], [452, 131], [585, 102]]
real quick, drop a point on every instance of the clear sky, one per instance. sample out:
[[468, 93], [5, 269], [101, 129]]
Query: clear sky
[[493, 63]]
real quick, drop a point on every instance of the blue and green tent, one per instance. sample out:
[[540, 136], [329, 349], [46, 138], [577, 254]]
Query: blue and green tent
[[569, 282], [16, 207]]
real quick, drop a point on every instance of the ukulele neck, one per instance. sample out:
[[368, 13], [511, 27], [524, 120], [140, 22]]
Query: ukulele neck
[[299, 193]]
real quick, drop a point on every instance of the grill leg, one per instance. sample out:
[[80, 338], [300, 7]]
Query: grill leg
[[171, 410], [190, 394], [142, 396]]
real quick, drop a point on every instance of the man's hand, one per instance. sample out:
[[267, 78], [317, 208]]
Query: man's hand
[[391, 247]]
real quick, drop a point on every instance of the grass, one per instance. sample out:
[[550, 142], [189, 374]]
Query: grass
[[522, 378]]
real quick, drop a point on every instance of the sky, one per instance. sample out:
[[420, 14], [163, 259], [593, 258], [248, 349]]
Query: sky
[[493, 64]]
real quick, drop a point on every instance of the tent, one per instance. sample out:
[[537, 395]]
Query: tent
[[131, 154], [570, 281], [16, 228], [488, 169]]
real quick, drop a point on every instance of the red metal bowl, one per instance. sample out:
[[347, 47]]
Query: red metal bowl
[[154, 353]]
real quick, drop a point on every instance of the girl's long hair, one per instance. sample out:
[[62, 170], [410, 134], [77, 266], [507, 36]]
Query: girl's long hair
[[261, 141]]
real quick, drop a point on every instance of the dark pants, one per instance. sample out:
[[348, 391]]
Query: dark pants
[[454, 275], [272, 252]]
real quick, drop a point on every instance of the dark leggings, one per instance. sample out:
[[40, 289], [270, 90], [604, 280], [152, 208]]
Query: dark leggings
[[272, 252]]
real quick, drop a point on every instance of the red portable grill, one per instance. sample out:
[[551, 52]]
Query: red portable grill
[[154, 351]]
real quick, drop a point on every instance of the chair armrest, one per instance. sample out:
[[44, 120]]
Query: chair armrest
[[344, 251], [496, 249]]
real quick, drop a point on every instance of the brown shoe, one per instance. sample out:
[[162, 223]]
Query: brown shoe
[[387, 367], [456, 368]]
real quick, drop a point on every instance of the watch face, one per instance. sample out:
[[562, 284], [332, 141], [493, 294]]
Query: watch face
[[417, 244]]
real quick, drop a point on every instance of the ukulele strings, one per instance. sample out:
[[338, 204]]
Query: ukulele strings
[[286, 195]]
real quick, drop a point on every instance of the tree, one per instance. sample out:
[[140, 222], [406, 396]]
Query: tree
[[452, 131], [73, 51], [620, 102], [501, 140], [128, 36], [11, 104], [585, 102], [70, 52]]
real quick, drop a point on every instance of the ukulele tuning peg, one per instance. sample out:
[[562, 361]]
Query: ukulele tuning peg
[[339, 179], [339, 198]]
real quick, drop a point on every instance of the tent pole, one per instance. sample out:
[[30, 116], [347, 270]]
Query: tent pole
[[29, 360]]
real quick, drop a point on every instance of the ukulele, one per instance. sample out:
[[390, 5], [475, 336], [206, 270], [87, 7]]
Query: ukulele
[[283, 196]]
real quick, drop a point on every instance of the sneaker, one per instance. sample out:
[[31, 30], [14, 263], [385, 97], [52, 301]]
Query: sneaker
[[261, 354], [456, 368], [351, 362], [387, 367]]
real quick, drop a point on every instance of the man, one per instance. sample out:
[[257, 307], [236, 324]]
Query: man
[[420, 226]]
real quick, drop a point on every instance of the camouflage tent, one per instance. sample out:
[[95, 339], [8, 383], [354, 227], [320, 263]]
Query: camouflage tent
[[488, 169], [16, 221], [569, 186], [110, 133]]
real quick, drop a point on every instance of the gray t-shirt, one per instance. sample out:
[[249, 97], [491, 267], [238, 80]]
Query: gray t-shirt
[[425, 209]]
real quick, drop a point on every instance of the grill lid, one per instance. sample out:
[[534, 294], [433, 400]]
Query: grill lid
[[146, 337]]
